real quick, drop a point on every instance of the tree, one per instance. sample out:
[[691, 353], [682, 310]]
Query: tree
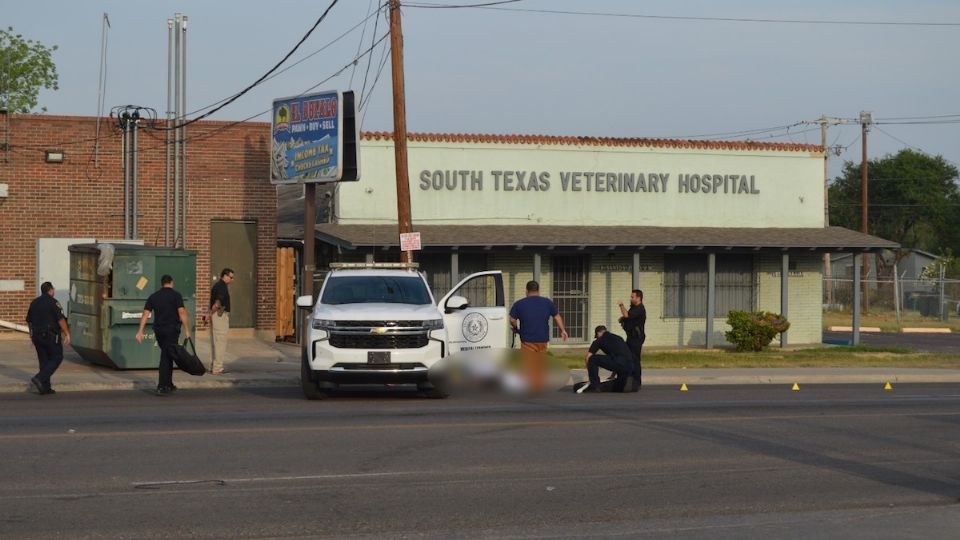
[[913, 199], [26, 66]]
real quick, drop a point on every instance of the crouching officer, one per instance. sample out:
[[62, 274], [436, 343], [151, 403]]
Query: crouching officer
[[617, 358], [49, 333]]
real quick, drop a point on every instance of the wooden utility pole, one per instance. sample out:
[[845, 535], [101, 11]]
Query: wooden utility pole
[[404, 224], [865, 120], [826, 205]]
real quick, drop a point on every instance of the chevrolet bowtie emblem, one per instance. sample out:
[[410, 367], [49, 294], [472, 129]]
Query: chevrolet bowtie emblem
[[379, 330]]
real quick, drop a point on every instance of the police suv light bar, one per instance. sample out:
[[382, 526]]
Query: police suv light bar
[[400, 265]]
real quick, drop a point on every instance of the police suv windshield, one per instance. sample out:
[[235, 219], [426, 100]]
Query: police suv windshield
[[375, 289]]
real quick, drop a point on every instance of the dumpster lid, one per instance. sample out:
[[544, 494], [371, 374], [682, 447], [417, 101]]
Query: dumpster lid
[[130, 248]]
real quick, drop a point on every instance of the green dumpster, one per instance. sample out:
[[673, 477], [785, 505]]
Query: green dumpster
[[106, 299]]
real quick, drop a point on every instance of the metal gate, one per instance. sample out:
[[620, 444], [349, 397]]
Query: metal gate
[[570, 293]]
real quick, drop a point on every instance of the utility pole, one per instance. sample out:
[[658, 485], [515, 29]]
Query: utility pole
[[825, 121], [826, 205], [866, 118], [400, 127]]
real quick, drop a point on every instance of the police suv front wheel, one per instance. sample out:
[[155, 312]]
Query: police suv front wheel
[[308, 382]]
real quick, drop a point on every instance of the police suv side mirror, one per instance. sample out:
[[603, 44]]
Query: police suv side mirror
[[455, 303], [305, 302]]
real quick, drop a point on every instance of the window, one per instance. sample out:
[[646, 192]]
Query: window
[[685, 285], [570, 294], [481, 291], [375, 289], [735, 279]]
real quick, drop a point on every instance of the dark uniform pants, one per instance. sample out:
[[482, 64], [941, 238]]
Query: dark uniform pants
[[50, 355], [623, 367], [166, 338], [636, 347]]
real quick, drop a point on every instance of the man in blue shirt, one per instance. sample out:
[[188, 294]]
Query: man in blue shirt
[[533, 314]]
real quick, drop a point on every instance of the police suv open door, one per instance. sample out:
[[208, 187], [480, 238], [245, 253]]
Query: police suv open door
[[475, 313]]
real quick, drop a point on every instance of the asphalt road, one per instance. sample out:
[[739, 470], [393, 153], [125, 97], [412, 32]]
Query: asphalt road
[[932, 343], [716, 462]]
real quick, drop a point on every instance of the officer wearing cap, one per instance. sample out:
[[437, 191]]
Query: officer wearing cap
[[49, 333]]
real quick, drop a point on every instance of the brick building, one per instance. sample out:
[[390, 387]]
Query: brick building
[[229, 196]]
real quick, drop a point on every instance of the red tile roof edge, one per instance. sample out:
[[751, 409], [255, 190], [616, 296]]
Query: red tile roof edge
[[593, 141]]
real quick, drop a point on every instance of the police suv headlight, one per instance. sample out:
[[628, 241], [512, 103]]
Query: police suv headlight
[[433, 324], [323, 324]]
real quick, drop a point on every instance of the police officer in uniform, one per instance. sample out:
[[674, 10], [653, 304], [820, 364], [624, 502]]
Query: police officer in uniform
[[49, 333], [169, 313], [634, 321], [617, 358]]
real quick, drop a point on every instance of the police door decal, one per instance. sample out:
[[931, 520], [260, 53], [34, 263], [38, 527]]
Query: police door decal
[[475, 327]]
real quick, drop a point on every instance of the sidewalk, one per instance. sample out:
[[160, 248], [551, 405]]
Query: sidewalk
[[252, 362]]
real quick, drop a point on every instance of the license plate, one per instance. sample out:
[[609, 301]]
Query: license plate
[[378, 357]]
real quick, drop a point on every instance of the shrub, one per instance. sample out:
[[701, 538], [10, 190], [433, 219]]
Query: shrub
[[754, 331]]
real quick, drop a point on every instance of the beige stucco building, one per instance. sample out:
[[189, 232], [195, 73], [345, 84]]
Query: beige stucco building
[[702, 227]]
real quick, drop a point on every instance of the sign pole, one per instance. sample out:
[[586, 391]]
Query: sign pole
[[309, 227], [400, 127]]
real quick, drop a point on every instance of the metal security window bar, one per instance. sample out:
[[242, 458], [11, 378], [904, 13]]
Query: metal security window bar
[[480, 292], [735, 284], [685, 285], [571, 295], [436, 266]]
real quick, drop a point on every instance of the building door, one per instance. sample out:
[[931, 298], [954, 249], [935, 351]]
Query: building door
[[570, 279], [233, 244]]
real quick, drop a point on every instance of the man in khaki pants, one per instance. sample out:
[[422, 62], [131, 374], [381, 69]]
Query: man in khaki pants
[[220, 320]]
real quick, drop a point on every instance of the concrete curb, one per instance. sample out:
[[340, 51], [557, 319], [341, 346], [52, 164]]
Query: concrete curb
[[872, 329], [152, 385], [926, 331]]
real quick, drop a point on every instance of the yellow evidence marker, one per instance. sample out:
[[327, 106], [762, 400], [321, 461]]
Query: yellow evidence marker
[[796, 387]]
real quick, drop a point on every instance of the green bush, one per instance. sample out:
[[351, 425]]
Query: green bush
[[754, 331]]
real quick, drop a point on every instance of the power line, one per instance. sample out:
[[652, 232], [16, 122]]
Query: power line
[[431, 5], [363, 35], [258, 81], [308, 90], [920, 122], [298, 62], [740, 133], [366, 73], [919, 117], [493, 6], [908, 145]]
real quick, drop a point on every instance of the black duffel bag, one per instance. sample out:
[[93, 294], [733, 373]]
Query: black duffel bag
[[186, 358]]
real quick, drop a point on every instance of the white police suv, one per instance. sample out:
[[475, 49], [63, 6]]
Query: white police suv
[[378, 323]]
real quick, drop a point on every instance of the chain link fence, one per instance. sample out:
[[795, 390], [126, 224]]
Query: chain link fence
[[905, 299]]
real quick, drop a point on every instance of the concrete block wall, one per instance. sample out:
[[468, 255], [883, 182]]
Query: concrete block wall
[[805, 296]]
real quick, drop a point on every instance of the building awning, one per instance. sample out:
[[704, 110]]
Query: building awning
[[655, 239]]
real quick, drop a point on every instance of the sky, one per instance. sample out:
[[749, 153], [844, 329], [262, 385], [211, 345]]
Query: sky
[[732, 70]]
